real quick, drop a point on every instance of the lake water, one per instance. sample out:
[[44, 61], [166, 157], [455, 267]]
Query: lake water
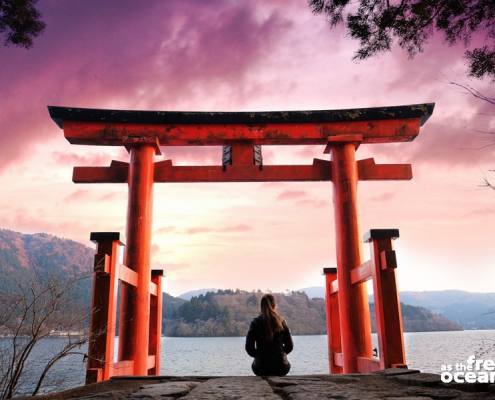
[[426, 351]]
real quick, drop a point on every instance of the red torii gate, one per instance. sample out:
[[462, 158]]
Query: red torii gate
[[242, 134]]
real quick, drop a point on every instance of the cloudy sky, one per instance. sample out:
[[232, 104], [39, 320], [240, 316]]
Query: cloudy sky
[[237, 56]]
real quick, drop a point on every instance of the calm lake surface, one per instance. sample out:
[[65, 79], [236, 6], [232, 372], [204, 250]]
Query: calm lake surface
[[426, 351]]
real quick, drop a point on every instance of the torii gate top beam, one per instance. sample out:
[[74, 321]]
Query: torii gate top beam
[[113, 127], [142, 132]]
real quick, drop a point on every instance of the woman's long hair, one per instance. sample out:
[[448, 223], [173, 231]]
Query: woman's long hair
[[273, 320]]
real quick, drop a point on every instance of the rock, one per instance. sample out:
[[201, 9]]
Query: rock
[[163, 390], [397, 371], [419, 379], [104, 396], [438, 393], [408, 398], [240, 388]]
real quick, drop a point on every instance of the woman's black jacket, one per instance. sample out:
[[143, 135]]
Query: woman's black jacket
[[262, 349]]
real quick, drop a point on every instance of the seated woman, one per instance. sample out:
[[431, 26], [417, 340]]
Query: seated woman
[[269, 341]]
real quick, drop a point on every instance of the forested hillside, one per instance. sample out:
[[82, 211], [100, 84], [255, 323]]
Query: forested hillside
[[41, 254], [228, 313], [28, 258]]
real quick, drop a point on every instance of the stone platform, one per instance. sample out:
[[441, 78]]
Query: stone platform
[[392, 384]]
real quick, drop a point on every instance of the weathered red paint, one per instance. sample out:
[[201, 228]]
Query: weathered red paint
[[369, 171], [381, 270], [333, 322], [320, 170], [387, 305], [155, 330], [355, 323], [114, 134], [165, 172], [103, 317], [104, 310], [135, 309]]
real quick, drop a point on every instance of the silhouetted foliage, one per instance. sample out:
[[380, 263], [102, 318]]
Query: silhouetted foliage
[[376, 23], [20, 22]]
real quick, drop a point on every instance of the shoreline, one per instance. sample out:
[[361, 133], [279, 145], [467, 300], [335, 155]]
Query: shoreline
[[64, 335]]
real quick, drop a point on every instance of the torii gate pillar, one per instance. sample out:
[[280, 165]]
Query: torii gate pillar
[[134, 334], [242, 134], [354, 315]]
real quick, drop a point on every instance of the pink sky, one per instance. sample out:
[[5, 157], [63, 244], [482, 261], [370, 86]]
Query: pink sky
[[256, 55]]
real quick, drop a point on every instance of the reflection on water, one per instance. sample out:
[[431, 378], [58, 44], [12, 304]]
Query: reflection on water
[[426, 351]]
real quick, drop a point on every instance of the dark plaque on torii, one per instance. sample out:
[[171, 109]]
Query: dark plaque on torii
[[257, 155]]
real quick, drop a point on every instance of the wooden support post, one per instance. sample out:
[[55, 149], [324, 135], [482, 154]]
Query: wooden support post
[[355, 323], [103, 306], [386, 294], [135, 306], [156, 321], [333, 323]]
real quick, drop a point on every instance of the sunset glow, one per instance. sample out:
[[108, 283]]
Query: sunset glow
[[223, 55]]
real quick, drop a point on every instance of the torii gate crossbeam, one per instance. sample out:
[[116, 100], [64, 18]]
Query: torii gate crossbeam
[[342, 131]]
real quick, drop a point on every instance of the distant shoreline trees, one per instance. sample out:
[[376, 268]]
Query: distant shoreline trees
[[228, 313]]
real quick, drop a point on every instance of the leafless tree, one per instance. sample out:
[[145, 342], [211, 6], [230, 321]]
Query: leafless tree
[[30, 313], [74, 342]]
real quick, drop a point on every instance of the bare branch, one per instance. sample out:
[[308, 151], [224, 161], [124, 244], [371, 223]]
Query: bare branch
[[474, 92], [34, 311], [488, 184], [66, 351]]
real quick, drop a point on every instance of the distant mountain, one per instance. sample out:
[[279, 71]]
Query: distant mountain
[[470, 310], [419, 319], [192, 293], [314, 292]]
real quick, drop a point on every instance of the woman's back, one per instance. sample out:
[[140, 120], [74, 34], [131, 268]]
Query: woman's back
[[269, 341], [281, 341]]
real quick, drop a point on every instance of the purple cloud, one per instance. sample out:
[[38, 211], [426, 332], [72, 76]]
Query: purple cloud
[[130, 55]]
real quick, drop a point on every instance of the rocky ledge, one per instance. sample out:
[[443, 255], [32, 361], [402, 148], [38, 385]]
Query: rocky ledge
[[392, 384]]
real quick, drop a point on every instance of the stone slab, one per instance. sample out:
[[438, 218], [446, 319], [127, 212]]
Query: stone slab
[[241, 388], [161, 390], [388, 385]]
